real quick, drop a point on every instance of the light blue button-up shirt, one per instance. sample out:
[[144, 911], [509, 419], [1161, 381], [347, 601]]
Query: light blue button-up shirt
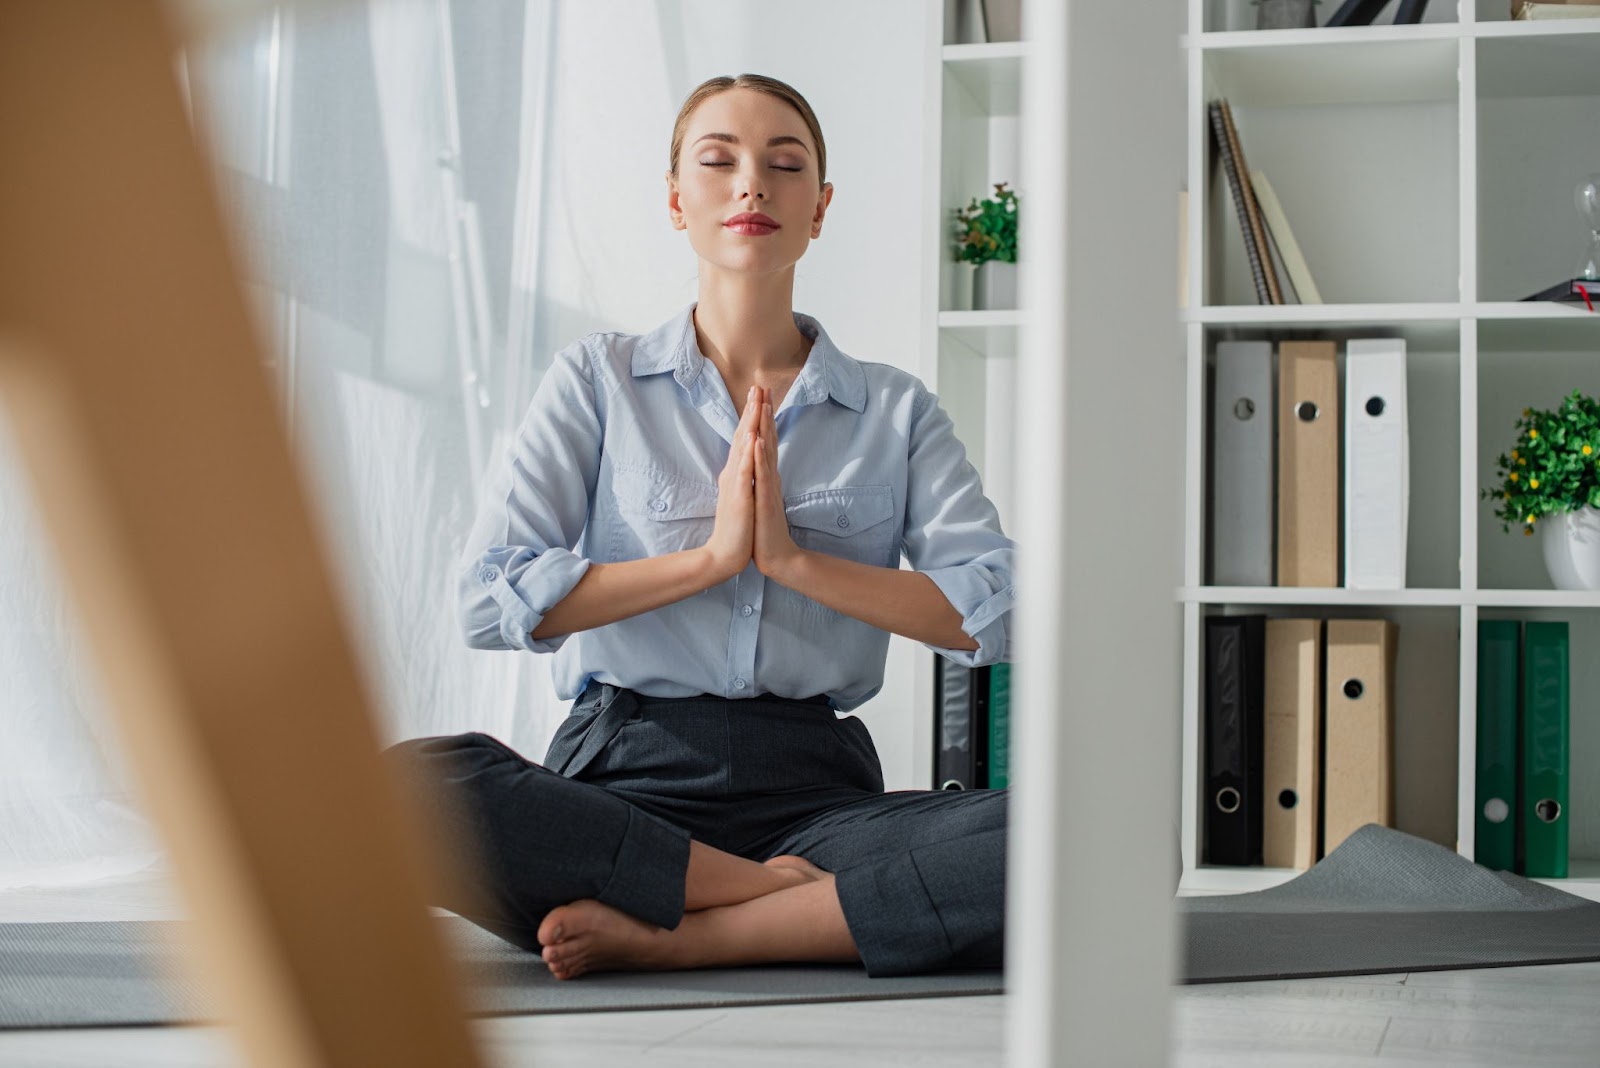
[[617, 459]]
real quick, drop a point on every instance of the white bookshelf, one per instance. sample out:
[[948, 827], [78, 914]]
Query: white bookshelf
[[968, 357], [1428, 173]]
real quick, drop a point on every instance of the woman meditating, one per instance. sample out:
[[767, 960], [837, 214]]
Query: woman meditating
[[704, 524]]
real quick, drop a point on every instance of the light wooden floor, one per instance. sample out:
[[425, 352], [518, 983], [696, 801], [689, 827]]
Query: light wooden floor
[[1493, 1016]]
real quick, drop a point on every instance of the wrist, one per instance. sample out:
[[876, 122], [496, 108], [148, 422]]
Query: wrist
[[790, 571], [713, 570]]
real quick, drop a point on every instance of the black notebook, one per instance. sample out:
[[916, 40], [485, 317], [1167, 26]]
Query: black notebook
[[1582, 290]]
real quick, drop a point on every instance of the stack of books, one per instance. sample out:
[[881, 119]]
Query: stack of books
[[1262, 221]]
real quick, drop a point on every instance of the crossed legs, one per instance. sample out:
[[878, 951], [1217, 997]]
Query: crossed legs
[[736, 911], [576, 873], [922, 871]]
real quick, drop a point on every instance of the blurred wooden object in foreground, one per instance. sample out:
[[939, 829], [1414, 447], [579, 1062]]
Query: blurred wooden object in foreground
[[134, 379]]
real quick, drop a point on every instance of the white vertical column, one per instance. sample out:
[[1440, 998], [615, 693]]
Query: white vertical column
[[1090, 922], [1467, 136], [1198, 140], [1467, 725], [1194, 521], [1467, 738], [1189, 770], [934, 29], [1000, 436], [1468, 448]]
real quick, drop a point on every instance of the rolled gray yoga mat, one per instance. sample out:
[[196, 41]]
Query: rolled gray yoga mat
[[1384, 901]]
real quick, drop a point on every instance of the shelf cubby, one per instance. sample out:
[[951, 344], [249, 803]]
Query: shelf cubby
[[1225, 16], [1538, 120], [1523, 364], [1583, 797], [981, 112], [1425, 728], [1433, 395], [1334, 125]]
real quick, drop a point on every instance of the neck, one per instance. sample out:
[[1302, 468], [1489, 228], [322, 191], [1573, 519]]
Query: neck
[[745, 323]]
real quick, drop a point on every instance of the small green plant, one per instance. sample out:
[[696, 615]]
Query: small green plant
[[1553, 467], [987, 230]]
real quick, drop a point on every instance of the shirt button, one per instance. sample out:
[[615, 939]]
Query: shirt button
[[488, 575], [660, 506], [738, 684], [746, 610], [844, 521]]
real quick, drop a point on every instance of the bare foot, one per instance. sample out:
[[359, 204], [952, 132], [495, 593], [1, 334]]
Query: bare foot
[[799, 864], [595, 937]]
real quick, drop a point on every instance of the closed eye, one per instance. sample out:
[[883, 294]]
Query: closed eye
[[774, 167]]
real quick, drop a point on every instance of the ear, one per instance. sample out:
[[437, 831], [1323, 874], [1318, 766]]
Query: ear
[[674, 210], [823, 200]]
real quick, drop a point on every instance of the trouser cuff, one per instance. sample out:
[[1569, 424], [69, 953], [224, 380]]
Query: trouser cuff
[[648, 873], [892, 917]]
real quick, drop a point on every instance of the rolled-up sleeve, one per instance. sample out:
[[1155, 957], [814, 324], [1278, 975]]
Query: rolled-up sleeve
[[953, 536], [518, 561]]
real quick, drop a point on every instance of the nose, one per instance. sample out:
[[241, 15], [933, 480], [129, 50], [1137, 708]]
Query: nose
[[752, 188]]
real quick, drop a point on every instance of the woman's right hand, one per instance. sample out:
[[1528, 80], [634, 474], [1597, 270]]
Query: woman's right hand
[[732, 538]]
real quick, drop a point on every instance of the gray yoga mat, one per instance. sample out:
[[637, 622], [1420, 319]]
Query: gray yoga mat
[[1386, 901], [120, 973], [1383, 901]]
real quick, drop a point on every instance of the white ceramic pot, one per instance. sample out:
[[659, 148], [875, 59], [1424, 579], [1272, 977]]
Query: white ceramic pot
[[994, 286], [1572, 549]]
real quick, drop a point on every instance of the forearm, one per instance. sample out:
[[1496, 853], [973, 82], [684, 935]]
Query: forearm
[[901, 602], [620, 590]]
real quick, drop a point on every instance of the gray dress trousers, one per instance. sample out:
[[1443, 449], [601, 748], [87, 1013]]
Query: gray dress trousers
[[629, 779]]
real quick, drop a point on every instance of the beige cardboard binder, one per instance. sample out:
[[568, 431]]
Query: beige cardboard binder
[[1291, 749], [1359, 765], [1308, 464]]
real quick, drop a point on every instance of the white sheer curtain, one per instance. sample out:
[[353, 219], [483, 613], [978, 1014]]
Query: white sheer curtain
[[428, 199], [380, 171]]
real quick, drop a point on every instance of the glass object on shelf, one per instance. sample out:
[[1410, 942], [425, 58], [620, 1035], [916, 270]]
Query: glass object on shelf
[[1588, 201], [1286, 14]]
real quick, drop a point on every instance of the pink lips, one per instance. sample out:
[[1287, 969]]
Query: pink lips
[[752, 223]]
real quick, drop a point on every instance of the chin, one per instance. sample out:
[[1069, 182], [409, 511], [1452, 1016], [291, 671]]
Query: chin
[[752, 264]]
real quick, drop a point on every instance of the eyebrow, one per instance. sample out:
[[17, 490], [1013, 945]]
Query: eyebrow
[[732, 140]]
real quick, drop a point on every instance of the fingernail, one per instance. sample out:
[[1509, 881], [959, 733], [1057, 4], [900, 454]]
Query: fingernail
[[558, 932]]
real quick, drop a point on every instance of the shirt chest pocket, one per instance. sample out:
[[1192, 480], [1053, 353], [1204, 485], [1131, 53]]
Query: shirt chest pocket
[[658, 513], [848, 521]]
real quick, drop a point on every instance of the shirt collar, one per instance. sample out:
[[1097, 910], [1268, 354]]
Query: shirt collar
[[672, 346]]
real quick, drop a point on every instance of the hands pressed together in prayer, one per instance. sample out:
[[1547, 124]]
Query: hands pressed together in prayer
[[751, 523]]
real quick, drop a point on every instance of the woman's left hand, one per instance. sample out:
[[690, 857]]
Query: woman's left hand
[[773, 548]]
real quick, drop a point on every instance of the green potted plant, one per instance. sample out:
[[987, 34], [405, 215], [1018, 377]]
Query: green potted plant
[[1551, 482], [986, 235]]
